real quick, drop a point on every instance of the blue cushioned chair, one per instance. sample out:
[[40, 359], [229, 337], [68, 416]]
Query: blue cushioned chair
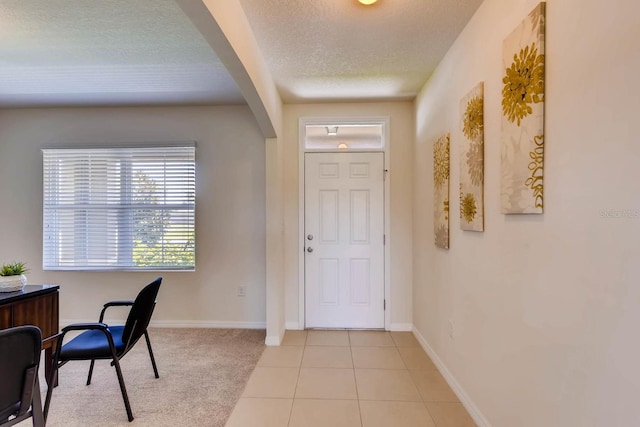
[[101, 341], [19, 386]]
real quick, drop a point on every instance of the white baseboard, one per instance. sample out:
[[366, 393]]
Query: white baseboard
[[272, 341], [466, 401], [275, 339], [401, 327], [221, 324]]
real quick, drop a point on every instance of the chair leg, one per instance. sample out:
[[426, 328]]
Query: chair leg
[[36, 406], [93, 361], [153, 360], [123, 389], [50, 382]]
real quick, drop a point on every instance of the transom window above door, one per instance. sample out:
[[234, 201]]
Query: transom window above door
[[339, 135]]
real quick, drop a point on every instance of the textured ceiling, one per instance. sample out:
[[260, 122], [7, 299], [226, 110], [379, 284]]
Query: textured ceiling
[[98, 52], [148, 52], [341, 50]]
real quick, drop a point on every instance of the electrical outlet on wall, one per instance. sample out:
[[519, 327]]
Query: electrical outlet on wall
[[242, 291]]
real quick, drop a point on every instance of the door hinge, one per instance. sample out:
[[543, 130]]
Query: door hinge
[[384, 174], [384, 239], [384, 304]]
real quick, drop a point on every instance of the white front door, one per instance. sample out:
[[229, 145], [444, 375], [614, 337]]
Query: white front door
[[344, 248]]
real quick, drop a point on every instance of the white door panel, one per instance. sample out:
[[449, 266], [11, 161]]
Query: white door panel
[[344, 229]]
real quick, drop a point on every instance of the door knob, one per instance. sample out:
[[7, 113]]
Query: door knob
[[309, 236], [309, 249]]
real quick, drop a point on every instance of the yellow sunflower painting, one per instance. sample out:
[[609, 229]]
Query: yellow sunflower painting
[[472, 160], [523, 96], [441, 191]]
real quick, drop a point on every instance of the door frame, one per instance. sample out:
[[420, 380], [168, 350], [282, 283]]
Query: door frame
[[302, 150]]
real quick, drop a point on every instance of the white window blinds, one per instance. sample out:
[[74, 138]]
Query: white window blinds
[[119, 208]]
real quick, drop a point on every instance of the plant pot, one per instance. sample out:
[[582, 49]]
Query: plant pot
[[12, 283]]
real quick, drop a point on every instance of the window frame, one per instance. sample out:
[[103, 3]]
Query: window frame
[[125, 162]]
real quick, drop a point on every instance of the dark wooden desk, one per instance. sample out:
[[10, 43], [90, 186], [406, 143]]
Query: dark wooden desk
[[33, 305]]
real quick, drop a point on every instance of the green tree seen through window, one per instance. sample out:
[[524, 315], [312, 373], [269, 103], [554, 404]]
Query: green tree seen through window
[[157, 239]]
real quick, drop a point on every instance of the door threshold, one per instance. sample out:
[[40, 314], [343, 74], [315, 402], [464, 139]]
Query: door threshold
[[346, 329]]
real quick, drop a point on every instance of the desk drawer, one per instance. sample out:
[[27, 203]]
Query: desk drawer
[[41, 311], [5, 317]]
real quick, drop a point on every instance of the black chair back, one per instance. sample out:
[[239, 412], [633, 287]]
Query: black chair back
[[19, 360], [140, 313]]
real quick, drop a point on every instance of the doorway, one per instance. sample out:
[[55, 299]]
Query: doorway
[[344, 248]]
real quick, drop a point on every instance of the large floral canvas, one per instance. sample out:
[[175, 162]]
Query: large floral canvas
[[472, 160], [441, 191], [523, 116]]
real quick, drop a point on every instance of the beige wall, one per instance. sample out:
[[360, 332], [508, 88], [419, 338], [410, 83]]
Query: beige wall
[[545, 308], [401, 126], [230, 208]]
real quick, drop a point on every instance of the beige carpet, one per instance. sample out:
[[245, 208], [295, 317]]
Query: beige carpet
[[202, 375]]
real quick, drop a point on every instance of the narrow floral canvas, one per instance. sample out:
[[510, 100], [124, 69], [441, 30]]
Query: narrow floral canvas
[[441, 191], [523, 116], [472, 160]]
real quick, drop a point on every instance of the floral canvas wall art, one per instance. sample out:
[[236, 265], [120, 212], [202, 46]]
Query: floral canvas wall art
[[523, 116], [441, 191], [472, 160]]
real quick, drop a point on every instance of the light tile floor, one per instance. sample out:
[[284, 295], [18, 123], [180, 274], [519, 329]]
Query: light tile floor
[[347, 379]]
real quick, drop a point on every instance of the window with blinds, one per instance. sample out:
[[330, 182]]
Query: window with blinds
[[119, 208]]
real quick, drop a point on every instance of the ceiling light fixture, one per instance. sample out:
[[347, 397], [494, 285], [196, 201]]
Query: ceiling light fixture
[[367, 2], [332, 130]]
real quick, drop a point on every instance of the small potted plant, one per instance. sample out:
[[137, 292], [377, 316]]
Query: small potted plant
[[12, 277]]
